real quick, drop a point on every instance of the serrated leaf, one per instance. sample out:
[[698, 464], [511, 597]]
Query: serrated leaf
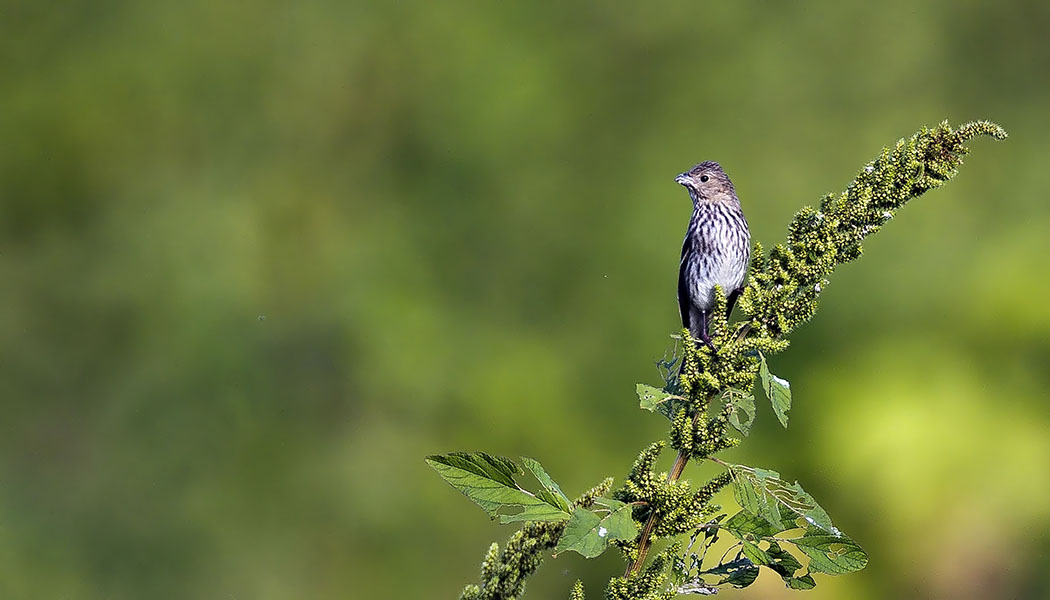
[[746, 526], [589, 532], [551, 492], [749, 489], [488, 481], [497, 468], [803, 582], [727, 567], [754, 553], [782, 561], [761, 492], [832, 555], [536, 512], [777, 389], [742, 413], [740, 572], [742, 577], [656, 400]]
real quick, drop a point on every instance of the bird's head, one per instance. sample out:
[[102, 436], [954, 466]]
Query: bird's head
[[707, 182]]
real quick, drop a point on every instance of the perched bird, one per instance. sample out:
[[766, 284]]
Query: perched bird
[[716, 249]]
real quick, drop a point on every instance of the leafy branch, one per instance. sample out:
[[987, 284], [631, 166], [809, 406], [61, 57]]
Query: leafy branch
[[706, 395]]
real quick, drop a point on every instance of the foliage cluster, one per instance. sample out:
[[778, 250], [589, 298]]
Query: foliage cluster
[[706, 396]]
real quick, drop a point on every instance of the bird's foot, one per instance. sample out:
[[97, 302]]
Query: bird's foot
[[706, 340]]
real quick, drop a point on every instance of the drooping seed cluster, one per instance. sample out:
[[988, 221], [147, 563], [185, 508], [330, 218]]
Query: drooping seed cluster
[[782, 291]]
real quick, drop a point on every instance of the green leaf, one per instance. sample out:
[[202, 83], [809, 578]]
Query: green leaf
[[489, 482], [762, 493], [740, 572], [550, 493], [746, 526], [650, 397], [741, 577], [803, 582], [777, 390], [656, 400], [589, 531], [742, 412], [754, 553], [832, 555], [782, 561], [497, 468], [536, 512]]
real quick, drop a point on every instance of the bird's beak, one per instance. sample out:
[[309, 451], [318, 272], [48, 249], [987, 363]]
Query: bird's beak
[[683, 179]]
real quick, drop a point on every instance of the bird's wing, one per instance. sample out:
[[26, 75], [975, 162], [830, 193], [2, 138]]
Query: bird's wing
[[683, 287]]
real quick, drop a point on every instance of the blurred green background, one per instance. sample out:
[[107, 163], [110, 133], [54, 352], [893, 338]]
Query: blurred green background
[[258, 259]]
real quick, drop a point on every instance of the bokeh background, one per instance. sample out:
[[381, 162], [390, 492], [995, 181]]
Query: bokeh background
[[258, 259]]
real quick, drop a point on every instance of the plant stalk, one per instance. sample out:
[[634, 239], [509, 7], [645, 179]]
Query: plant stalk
[[674, 475], [647, 531]]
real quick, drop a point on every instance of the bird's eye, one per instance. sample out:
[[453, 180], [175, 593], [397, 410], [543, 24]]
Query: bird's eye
[[704, 178]]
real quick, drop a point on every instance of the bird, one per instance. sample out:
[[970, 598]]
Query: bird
[[716, 249]]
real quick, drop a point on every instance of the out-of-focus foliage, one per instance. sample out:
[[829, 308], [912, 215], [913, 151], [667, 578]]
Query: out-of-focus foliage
[[258, 259]]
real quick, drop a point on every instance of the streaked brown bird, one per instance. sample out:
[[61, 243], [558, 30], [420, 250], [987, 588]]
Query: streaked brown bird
[[716, 249]]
